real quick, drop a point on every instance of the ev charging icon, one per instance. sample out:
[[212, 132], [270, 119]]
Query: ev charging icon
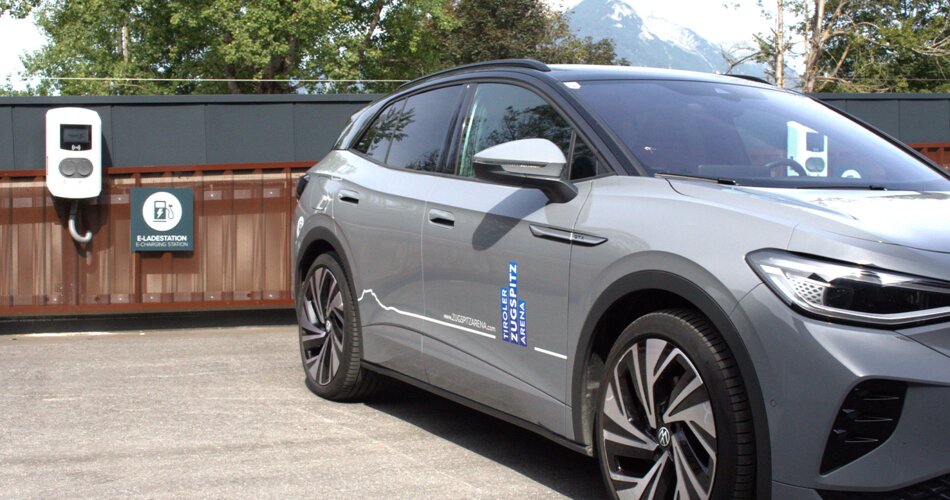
[[159, 211], [163, 211]]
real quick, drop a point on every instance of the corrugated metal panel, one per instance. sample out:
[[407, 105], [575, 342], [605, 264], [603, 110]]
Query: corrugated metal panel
[[250, 132], [174, 100], [29, 138], [317, 127], [883, 114], [188, 130], [912, 118], [6, 137], [939, 152], [241, 257], [925, 121], [185, 130], [159, 135]]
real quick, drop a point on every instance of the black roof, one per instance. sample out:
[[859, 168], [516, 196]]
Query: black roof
[[583, 72]]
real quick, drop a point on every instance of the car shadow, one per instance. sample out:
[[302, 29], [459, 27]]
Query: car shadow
[[565, 471], [505, 216]]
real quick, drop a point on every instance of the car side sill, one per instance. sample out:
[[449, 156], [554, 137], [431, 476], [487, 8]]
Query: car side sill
[[567, 443]]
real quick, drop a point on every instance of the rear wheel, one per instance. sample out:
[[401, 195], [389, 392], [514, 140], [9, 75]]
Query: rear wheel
[[673, 420], [330, 336]]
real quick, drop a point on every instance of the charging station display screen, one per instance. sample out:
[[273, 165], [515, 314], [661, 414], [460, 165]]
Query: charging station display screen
[[76, 137]]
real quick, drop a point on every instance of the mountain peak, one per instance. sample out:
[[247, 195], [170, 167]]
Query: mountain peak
[[647, 39], [620, 10]]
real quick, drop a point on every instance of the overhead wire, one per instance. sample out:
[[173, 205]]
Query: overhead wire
[[216, 80]]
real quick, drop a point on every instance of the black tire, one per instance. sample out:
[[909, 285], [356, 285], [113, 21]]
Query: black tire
[[697, 377], [332, 368]]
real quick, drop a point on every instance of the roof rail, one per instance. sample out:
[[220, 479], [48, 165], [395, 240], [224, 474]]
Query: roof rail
[[498, 63], [751, 78]]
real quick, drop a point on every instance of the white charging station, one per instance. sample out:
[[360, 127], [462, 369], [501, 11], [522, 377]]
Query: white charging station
[[809, 148], [74, 158]]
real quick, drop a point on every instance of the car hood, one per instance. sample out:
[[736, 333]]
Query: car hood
[[919, 220]]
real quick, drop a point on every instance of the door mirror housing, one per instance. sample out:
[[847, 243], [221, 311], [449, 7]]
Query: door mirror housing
[[534, 163]]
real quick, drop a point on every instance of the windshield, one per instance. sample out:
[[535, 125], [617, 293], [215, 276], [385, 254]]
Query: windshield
[[750, 136]]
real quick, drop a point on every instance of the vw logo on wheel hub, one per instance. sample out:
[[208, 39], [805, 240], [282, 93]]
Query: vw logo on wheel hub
[[664, 437]]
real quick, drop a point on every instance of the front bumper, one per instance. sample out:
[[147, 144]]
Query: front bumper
[[806, 368]]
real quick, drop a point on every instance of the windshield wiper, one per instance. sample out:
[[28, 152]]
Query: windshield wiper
[[715, 180], [868, 187]]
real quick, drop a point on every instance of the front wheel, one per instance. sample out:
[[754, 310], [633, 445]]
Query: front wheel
[[330, 335], [673, 418]]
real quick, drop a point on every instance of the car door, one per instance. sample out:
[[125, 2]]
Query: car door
[[379, 208], [496, 270]]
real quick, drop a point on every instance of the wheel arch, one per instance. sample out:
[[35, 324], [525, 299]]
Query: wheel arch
[[318, 241], [635, 295]]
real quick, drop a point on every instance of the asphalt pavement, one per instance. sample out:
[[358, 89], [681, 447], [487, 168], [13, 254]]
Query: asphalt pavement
[[223, 412]]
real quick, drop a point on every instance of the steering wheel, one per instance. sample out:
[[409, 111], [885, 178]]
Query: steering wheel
[[787, 162]]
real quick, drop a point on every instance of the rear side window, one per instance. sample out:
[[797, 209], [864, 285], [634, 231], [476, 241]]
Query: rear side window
[[425, 124], [378, 137], [412, 133]]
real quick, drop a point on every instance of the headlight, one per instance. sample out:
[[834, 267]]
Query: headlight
[[851, 292]]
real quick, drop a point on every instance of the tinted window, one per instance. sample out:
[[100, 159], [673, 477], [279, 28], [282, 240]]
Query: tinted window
[[423, 128], [375, 142], [584, 162], [502, 113], [755, 136]]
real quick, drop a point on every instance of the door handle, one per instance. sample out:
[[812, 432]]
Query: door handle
[[347, 196], [442, 218]]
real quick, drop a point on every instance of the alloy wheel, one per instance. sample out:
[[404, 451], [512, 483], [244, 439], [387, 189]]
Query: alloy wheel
[[658, 428], [323, 331]]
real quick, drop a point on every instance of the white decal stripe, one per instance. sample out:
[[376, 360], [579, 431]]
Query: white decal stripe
[[549, 353], [79, 334], [423, 318]]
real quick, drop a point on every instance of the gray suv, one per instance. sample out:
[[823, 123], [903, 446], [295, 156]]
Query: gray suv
[[718, 288]]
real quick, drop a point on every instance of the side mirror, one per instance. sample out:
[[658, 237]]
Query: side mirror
[[302, 182], [535, 163]]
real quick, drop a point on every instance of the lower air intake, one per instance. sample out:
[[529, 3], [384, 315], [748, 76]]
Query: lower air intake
[[866, 419]]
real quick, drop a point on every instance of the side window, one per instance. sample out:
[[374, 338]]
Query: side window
[[502, 113], [584, 163], [423, 129], [378, 137]]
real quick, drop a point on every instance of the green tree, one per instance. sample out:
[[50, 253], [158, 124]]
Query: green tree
[[863, 45], [17, 8], [812, 21], [773, 46], [562, 46], [399, 40], [7, 90], [201, 40], [888, 46], [502, 29], [233, 46], [390, 40], [281, 46]]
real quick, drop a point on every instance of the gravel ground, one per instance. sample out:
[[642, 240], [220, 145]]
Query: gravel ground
[[223, 412]]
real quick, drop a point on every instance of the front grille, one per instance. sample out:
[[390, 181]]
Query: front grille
[[935, 489], [866, 419]]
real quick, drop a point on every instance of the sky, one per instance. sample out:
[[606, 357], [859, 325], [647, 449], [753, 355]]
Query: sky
[[709, 18], [16, 37]]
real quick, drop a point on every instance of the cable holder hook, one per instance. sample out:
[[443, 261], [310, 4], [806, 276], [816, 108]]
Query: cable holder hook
[[73, 213]]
